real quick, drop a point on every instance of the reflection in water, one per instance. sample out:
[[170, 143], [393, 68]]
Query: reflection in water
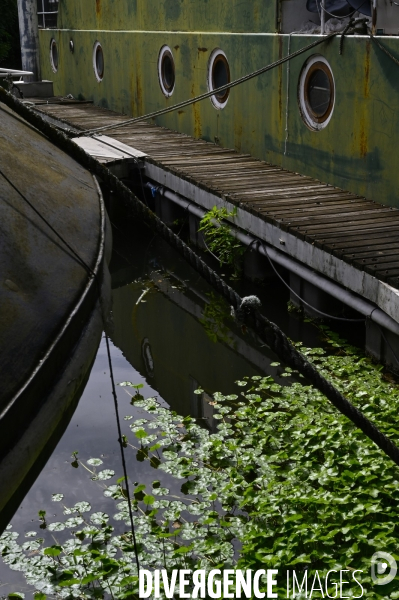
[[180, 335], [173, 334]]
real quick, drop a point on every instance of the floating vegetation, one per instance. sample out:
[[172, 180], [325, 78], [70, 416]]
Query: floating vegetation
[[285, 482]]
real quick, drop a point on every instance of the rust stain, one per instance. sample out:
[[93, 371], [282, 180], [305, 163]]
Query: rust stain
[[197, 116], [363, 139], [202, 49], [367, 71], [139, 93], [98, 8], [176, 47], [181, 112]]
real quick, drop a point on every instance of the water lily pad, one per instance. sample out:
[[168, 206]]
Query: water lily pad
[[57, 526], [106, 474], [82, 507], [95, 462], [57, 497], [73, 522], [98, 518]]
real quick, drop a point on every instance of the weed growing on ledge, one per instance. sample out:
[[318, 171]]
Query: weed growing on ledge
[[286, 482], [219, 239]]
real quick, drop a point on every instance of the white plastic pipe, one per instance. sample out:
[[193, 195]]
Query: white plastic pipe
[[359, 304]]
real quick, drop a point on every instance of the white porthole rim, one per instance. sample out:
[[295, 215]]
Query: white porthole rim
[[306, 116], [97, 45], [53, 43], [215, 53], [165, 50]]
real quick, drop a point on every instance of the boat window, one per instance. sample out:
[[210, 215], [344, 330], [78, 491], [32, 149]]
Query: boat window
[[47, 13], [98, 61], [54, 55], [218, 75], [166, 71], [316, 93]]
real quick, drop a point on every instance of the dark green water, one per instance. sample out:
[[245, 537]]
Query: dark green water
[[163, 316]]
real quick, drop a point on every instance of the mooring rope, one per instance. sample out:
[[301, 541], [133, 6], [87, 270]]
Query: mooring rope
[[211, 93], [120, 439], [381, 47], [246, 309]]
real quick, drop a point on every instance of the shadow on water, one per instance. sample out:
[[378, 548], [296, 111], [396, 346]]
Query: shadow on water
[[172, 333]]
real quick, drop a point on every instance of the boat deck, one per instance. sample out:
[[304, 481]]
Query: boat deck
[[346, 237]]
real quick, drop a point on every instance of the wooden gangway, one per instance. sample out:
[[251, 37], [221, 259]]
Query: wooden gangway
[[351, 239]]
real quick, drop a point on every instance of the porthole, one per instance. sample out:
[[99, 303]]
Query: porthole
[[98, 61], [218, 75], [54, 55], [316, 93], [166, 71], [147, 357]]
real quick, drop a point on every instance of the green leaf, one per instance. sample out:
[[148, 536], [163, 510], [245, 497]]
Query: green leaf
[[53, 551]]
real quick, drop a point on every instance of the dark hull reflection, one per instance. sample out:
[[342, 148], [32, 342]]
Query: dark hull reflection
[[23, 464], [179, 334]]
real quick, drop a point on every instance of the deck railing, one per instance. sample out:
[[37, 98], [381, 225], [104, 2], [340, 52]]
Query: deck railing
[[47, 12]]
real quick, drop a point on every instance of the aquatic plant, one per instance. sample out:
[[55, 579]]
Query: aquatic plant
[[219, 239], [285, 482]]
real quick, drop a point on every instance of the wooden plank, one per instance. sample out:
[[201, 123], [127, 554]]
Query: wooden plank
[[358, 230], [336, 219]]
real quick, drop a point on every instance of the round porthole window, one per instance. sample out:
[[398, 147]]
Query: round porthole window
[[98, 61], [218, 75], [54, 55], [166, 71], [147, 357], [316, 93]]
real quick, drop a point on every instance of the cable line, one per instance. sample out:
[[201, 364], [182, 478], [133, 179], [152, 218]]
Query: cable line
[[211, 93], [246, 309]]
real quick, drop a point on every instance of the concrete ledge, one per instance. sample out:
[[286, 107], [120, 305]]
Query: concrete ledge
[[35, 89], [367, 286]]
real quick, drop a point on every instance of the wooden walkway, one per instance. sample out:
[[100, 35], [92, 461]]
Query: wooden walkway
[[358, 231]]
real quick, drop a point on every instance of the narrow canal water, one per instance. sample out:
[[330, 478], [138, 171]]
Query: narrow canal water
[[172, 334]]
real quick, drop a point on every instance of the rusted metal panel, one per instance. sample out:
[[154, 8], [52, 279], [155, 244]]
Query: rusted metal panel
[[353, 152]]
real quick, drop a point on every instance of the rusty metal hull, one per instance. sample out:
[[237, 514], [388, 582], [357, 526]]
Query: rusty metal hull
[[47, 296], [262, 117]]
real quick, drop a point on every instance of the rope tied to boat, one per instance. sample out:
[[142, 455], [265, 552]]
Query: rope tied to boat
[[248, 311], [385, 50], [211, 93]]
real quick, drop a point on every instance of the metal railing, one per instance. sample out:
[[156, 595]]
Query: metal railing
[[13, 73], [47, 13]]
